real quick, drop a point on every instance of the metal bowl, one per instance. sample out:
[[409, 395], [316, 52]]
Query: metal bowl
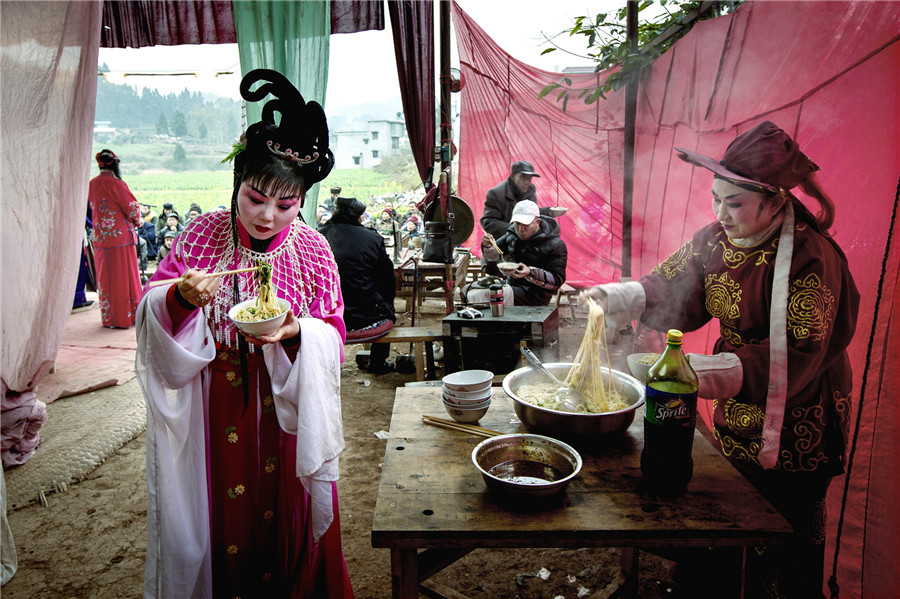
[[568, 425], [525, 465]]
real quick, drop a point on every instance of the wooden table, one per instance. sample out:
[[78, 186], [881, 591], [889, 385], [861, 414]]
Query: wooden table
[[431, 497], [466, 338], [435, 280]]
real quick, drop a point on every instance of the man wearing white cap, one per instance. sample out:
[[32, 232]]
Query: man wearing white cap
[[532, 242], [501, 199]]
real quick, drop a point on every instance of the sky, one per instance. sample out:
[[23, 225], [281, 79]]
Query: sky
[[518, 26]]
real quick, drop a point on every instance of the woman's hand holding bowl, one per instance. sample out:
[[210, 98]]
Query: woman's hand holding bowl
[[289, 329], [197, 288]]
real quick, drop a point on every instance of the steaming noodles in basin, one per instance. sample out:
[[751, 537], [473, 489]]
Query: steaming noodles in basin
[[611, 397]]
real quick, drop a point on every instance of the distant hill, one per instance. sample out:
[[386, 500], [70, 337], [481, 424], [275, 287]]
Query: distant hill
[[355, 117]]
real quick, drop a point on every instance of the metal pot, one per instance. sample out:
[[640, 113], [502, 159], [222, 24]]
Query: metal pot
[[570, 425], [521, 465]]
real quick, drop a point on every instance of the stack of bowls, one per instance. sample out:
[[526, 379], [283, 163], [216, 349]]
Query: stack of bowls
[[467, 394]]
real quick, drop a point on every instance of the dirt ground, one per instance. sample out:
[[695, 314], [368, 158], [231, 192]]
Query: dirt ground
[[90, 541]]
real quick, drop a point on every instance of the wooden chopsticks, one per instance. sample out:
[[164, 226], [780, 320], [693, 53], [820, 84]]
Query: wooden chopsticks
[[461, 427], [206, 276], [496, 247]]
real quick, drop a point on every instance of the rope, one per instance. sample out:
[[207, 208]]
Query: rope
[[832, 580]]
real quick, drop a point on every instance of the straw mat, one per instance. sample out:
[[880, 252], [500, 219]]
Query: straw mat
[[80, 433]]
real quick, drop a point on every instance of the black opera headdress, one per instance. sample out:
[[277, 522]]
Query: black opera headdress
[[301, 136]]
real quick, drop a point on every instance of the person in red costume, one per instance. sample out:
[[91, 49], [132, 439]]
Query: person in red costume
[[243, 433], [116, 215]]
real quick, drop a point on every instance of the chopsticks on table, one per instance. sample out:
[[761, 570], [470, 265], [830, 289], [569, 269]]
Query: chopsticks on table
[[461, 427], [206, 276]]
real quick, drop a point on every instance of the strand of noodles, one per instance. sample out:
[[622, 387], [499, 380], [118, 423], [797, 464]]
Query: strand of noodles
[[586, 374], [265, 307]]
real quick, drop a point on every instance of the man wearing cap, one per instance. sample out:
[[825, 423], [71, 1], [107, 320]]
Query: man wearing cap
[[328, 204], [168, 239], [532, 242], [161, 221], [500, 200]]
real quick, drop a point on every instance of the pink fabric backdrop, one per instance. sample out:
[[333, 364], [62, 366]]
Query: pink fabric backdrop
[[49, 81], [826, 72]]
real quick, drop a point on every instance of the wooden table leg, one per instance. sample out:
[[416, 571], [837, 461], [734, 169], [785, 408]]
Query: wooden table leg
[[430, 373], [419, 349], [744, 590], [630, 568], [404, 574]]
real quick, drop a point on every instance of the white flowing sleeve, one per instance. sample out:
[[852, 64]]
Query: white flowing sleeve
[[307, 396], [170, 371]]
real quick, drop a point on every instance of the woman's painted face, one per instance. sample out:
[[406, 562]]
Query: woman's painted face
[[740, 212], [265, 216]]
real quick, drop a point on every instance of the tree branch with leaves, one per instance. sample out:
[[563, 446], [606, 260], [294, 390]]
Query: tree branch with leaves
[[662, 23]]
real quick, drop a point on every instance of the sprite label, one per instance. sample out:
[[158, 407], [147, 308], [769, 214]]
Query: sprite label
[[670, 406]]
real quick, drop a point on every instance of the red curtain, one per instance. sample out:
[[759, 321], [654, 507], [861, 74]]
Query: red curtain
[[826, 72], [412, 22], [140, 23]]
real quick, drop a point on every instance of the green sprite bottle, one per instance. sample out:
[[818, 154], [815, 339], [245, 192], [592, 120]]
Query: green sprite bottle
[[669, 419]]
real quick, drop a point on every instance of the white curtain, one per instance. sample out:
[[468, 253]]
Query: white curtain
[[48, 81]]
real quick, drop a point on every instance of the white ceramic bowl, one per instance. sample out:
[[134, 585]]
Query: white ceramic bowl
[[469, 381], [261, 327], [469, 406], [638, 368], [473, 414], [557, 211], [466, 403], [507, 268], [467, 395]]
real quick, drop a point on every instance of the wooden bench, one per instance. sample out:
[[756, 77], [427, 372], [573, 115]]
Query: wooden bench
[[422, 339], [570, 294]]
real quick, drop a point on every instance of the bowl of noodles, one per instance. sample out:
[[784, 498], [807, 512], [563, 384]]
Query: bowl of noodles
[[539, 407], [508, 268], [263, 314], [640, 364], [254, 321]]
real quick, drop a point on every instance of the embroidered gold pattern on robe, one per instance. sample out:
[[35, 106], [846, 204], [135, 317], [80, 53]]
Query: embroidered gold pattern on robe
[[675, 263], [723, 294], [736, 449], [810, 308], [745, 420], [807, 452], [736, 258]]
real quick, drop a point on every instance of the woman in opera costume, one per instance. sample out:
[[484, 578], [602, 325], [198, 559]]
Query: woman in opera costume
[[779, 376], [116, 215], [244, 434]]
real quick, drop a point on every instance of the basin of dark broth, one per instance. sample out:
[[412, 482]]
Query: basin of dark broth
[[526, 472]]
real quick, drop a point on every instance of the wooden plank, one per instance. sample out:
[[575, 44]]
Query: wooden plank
[[410, 335]]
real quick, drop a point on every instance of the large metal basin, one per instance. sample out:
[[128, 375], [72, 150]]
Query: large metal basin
[[568, 425]]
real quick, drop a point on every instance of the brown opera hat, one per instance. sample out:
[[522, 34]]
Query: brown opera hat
[[765, 156]]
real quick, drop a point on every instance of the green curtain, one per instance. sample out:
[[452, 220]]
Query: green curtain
[[291, 37]]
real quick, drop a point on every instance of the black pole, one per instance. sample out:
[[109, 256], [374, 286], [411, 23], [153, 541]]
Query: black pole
[[631, 89], [444, 78]]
